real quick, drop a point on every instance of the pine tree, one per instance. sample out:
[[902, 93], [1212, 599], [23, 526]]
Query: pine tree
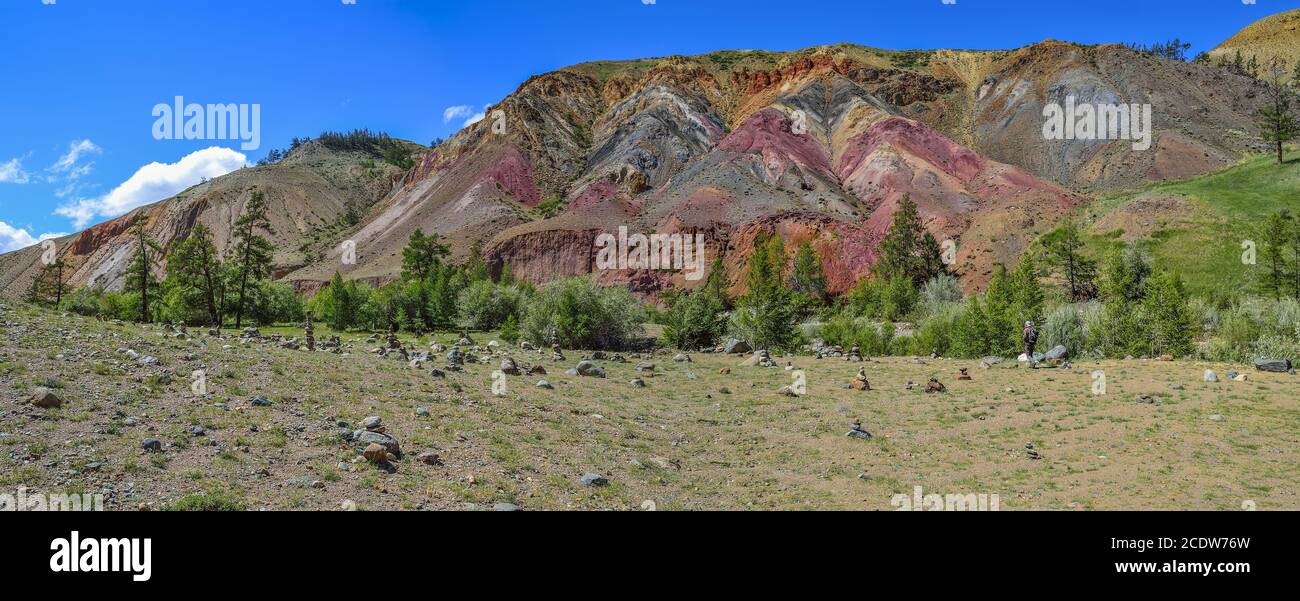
[[1063, 246], [139, 275], [808, 278], [340, 309], [1273, 279], [48, 285], [195, 265], [251, 253], [1171, 321], [970, 331], [1028, 292], [476, 269], [716, 284], [767, 314], [422, 255], [1123, 285], [907, 247], [1277, 120], [1000, 312]]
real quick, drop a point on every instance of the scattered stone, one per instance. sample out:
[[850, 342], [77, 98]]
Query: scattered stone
[[681, 358], [422, 412], [1217, 418], [589, 369], [934, 386], [545, 384], [373, 423], [1058, 353], [197, 431], [1147, 400], [349, 505], [375, 453], [593, 479], [736, 346], [725, 371], [963, 375], [437, 373], [1280, 366], [510, 368], [390, 444], [787, 391], [506, 507], [645, 367], [429, 458], [638, 383], [152, 445], [1031, 452], [260, 401], [857, 431], [1210, 376], [45, 398]]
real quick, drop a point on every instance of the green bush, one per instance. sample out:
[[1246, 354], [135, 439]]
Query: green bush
[[939, 293], [1064, 326], [577, 313], [695, 320], [485, 305], [84, 301], [211, 501], [934, 333]]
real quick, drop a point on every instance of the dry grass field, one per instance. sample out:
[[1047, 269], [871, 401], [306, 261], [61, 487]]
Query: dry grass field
[[692, 439]]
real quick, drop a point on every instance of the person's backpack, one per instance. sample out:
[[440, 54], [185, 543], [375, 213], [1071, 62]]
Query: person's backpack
[[1031, 337]]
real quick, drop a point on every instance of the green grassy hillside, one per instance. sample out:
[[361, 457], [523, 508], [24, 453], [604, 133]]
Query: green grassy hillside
[[1196, 227]]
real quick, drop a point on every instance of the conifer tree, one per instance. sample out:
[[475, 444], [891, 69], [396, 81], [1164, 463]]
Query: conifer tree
[[251, 252]]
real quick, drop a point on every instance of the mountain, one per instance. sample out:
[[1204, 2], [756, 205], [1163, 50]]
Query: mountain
[[311, 195], [817, 144], [1271, 37]]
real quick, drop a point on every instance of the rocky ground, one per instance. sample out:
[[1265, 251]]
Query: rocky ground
[[280, 428]]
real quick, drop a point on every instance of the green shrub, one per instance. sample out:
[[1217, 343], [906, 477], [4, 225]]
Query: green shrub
[[210, 501], [695, 320], [1064, 326], [577, 313], [485, 305]]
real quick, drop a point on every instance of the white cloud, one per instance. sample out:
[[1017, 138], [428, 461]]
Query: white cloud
[[155, 182], [456, 112], [68, 162], [12, 238], [479, 116], [12, 172]]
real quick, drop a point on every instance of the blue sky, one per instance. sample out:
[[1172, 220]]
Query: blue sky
[[80, 78]]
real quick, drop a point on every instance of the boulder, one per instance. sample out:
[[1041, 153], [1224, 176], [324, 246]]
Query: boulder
[[510, 368], [389, 443], [736, 346], [592, 479], [1210, 376], [589, 369], [1280, 366], [375, 453], [45, 398], [1057, 353]]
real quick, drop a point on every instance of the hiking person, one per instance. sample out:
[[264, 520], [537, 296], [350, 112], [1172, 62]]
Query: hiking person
[[1030, 338]]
